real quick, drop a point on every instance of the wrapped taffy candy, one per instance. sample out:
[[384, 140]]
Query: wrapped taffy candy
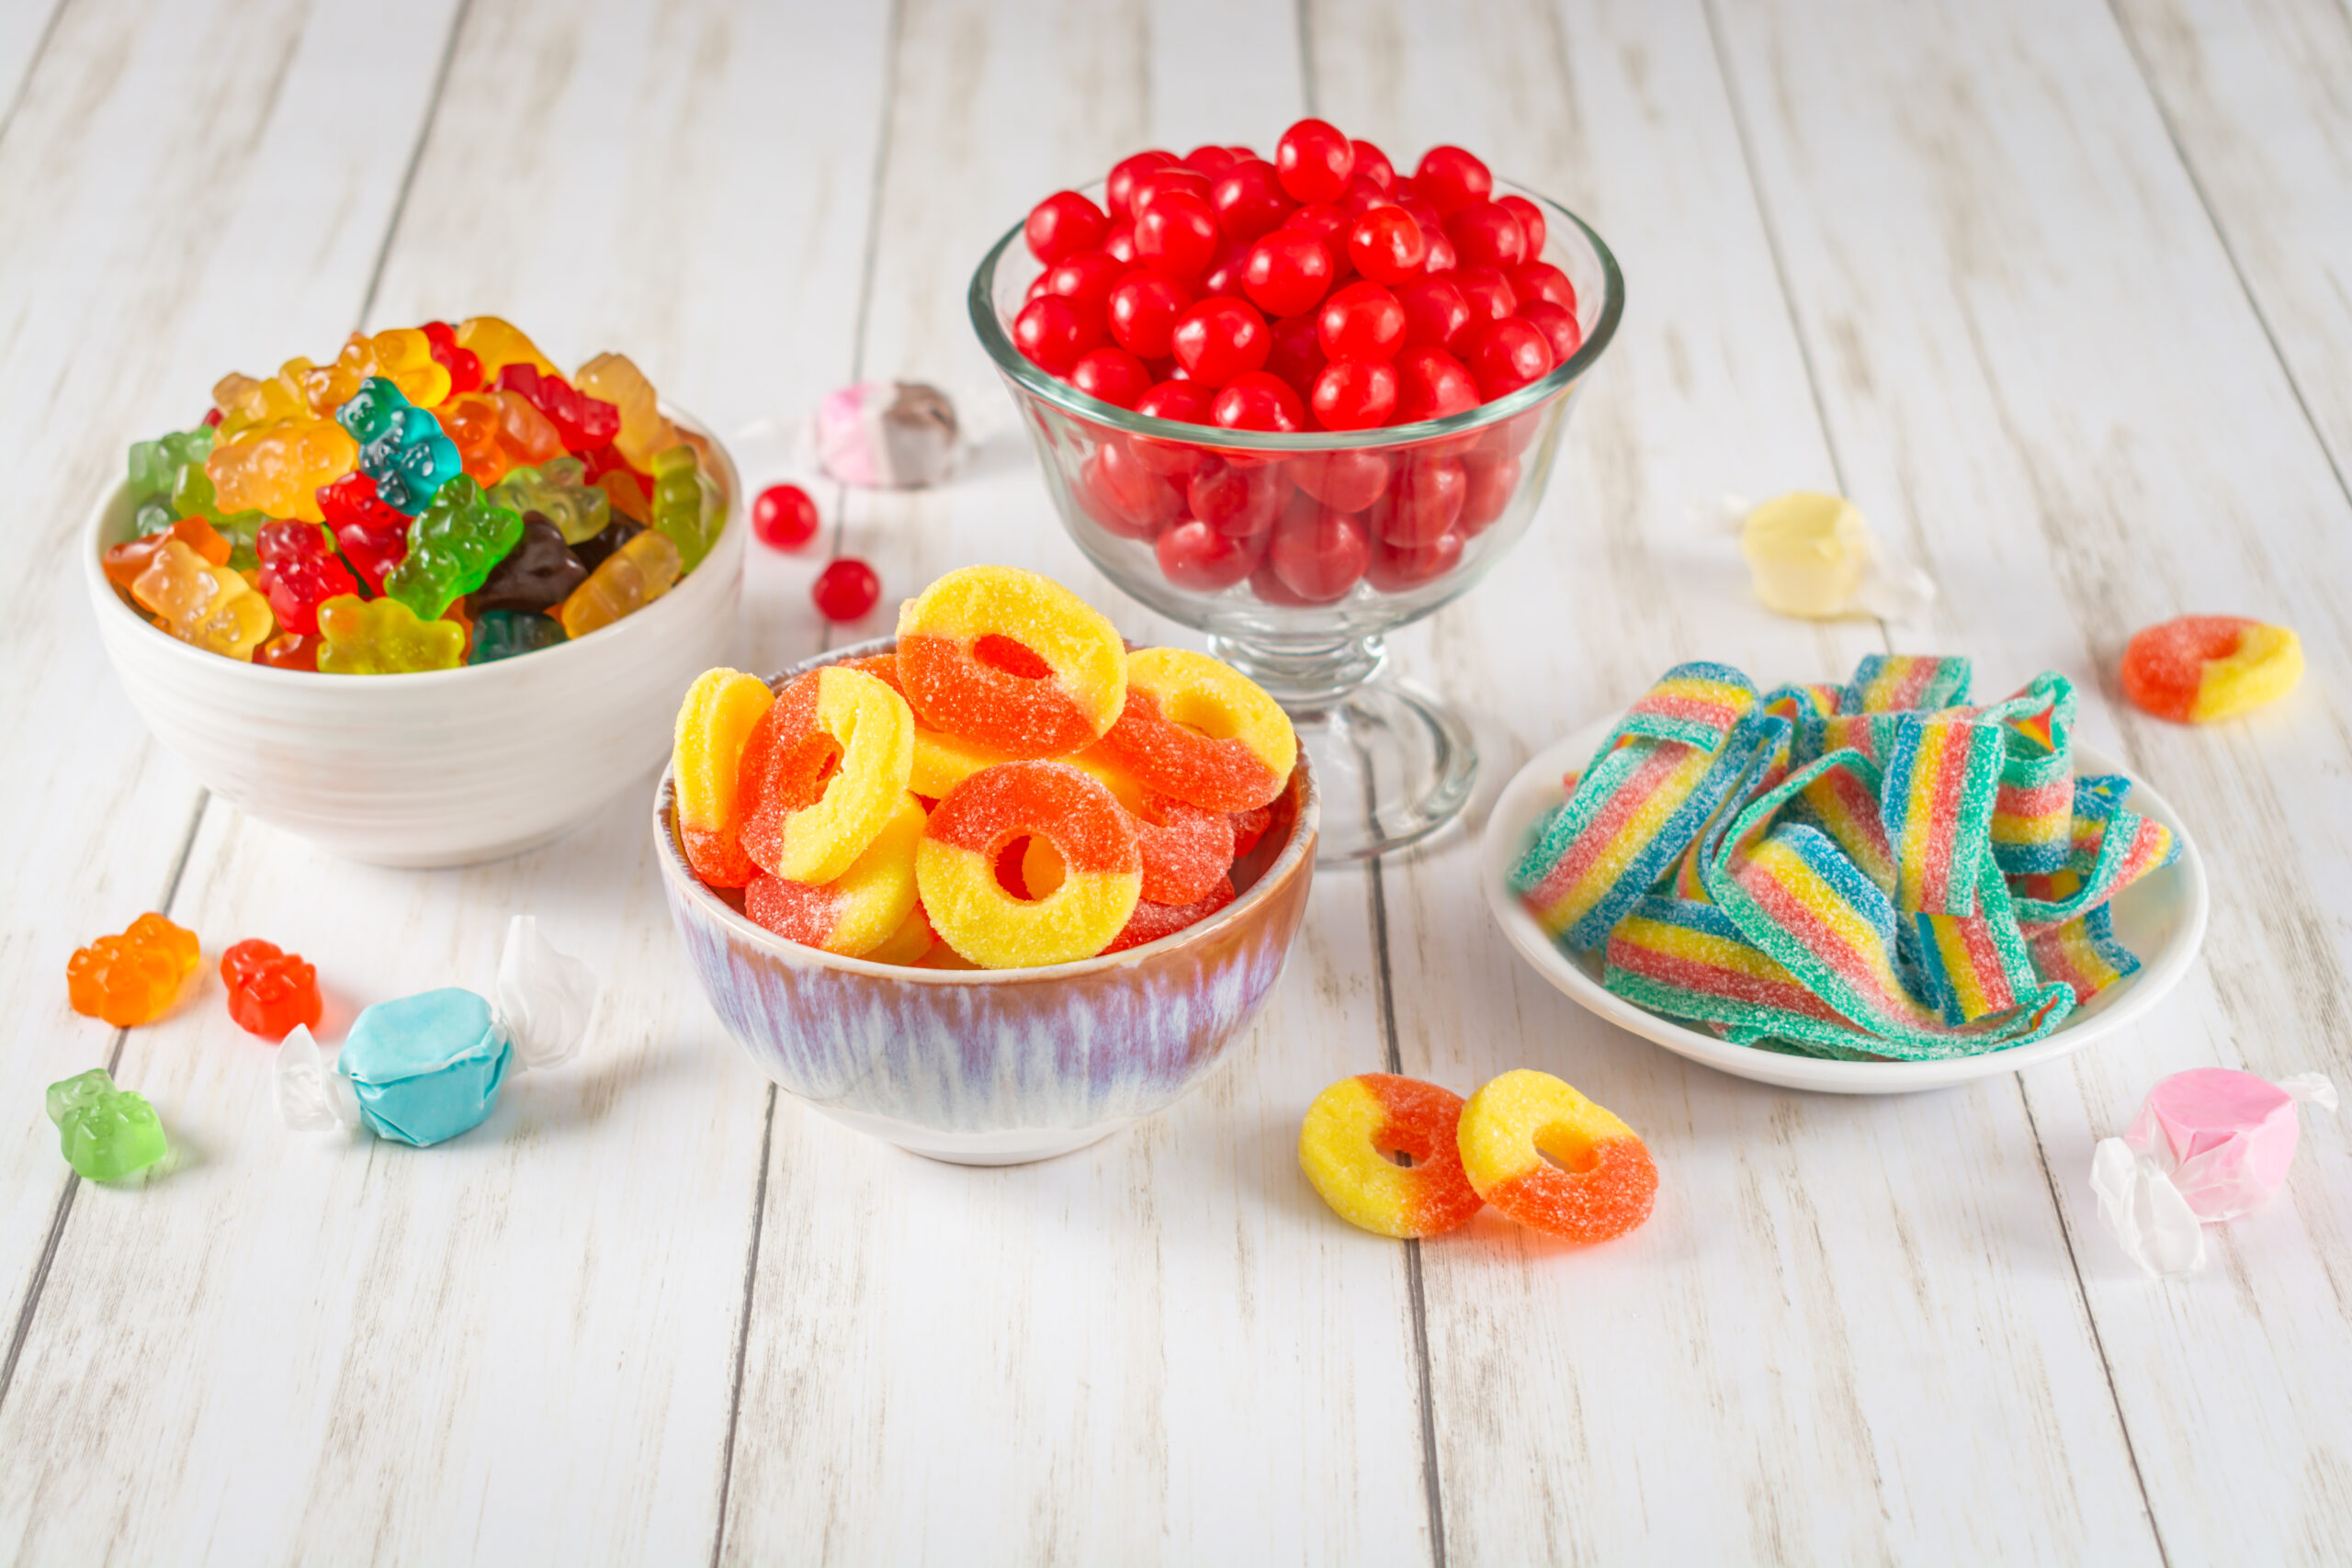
[[427, 1067], [2209, 1145]]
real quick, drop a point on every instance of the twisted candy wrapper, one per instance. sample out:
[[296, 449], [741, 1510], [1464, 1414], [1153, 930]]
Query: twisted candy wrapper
[[2209, 1145], [427, 1067]]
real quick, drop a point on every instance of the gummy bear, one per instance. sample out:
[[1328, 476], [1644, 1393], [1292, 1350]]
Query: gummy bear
[[629, 579], [300, 570], [557, 491], [104, 1131], [632, 496], [124, 563], [270, 991], [596, 552], [401, 448], [155, 464], [374, 537], [616, 380], [383, 636], [131, 978], [248, 406], [200, 602], [503, 633], [278, 470], [585, 423], [496, 344], [537, 574], [452, 547], [463, 365], [470, 420], [682, 506], [191, 494], [288, 651], [402, 355]]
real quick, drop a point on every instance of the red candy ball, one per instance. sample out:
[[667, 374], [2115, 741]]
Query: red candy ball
[[1442, 257], [1558, 325], [1507, 355], [1314, 160], [1531, 221], [846, 590], [1422, 502], [1186, 402], [1493, 480], [1179, 234], [1486, 234], [1125, 496], [1257, 401], [1373, 164], [1399, 569], [1297, 353], [1344, 481], [1194, 556], [1488, 290], [1354, 394], [1436, 313], [1386, 245], [1156, 183], [1113, 375], [1086, 280], [784, 517], [1250, 200], [1120, 242], [1542, 280], [1053, 333], [1121, 189], [1219, 339], [1450, 179], [1287, 271], [1362, 321], [1210, 160], [1237, 500], [1064, 224], [1143, 308], [1433, 384], [1316, 553]]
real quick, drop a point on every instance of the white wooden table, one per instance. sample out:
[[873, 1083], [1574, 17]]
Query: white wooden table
[[2060, 291]]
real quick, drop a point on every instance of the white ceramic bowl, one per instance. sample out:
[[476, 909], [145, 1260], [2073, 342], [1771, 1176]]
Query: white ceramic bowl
[[2161, 917], [445, 767]]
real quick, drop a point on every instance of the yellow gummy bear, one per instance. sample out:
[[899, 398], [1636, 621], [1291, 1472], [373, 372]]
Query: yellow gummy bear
[[278, 469], [498, 343], [383, 636], [626, 582], [209, 606], [617, 380], [248, 406]]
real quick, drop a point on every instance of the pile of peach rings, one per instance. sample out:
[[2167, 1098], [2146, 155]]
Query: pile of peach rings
[[1009, 787]]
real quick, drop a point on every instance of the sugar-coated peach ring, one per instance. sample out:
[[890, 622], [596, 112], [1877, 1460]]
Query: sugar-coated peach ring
[[859, 910], [715, 724], [1012, 660], [943, 761], [911, 944], [1186, 850], [2204, 669], [1604, 1181], [1201, 731], [1152, 921], [1352, 1128], [824, 770], [976, 820]]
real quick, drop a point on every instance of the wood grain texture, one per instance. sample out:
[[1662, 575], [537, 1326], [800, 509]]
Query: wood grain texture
[[518, 1346], [22, 29], [1161, 1348], [155, 238], [2022, 407], [1744, 1379]]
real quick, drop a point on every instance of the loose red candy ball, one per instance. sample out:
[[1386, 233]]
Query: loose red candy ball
[[1422, 503], [1125, 496], [1086, 280], [1064, 224], [1196, 557], [1237, 500], [1316, 553], [1354, 394], [1113, 375], [1151, 187], [1450, 179], [1143, 310], [1488, 290], [1250, 200], [1558, 325], [1386, 245], [1361, 321], [1297, 353], [1314, 160], [1507, 355], [784, 517], [1287, 271], [1373, 164], [1179, 232], [1344, 481], [1433, 384], [1436, 311], [1486, 234], [1258, 400], [1121, 189], [1053, 333], [1542, 280], [1220, 338], [1531, 221], [846, 590]]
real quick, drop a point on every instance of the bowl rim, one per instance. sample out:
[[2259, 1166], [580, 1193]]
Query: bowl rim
[[1016, 367], [110, 602], [1296, 858]]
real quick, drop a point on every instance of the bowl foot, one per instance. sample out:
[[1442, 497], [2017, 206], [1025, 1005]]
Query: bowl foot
[[1017, 1146]]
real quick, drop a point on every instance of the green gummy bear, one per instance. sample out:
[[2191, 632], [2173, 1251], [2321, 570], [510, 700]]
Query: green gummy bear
[[104, 1132], [558, 490], [684, 506], [452, 546], [503, 633], [156, 465]]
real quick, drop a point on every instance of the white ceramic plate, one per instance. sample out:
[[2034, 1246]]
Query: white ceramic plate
[[2161, 917]]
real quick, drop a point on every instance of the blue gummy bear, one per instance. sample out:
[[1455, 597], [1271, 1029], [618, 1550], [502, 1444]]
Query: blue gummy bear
[[425, 1067], [401, 445]]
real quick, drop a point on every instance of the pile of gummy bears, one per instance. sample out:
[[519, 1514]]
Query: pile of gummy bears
[[1010, 787], [434, 497]]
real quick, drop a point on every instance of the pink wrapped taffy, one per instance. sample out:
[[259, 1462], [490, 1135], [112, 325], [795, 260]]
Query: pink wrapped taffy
[[2209, 1145]]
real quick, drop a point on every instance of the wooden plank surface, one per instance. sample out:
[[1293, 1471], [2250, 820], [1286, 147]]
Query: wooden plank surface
[[2019, 410]]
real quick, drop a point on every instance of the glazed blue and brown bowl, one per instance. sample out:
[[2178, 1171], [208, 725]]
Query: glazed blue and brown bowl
[[996, 1066]]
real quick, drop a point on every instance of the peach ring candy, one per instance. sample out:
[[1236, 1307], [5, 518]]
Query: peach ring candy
[[1151, 922], [2204, 669], [823, 772], [859, 910], [976, 820], [1201, 731], [1352, 1128], [943, 761], [1186, 850], [1010, 660], [1598, 1180], [911, 944], [715, 723]]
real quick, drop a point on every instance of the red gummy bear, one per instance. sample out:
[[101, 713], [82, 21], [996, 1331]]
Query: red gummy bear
[[585, 423], [463, 365], [270, 991], [300, 570], [374, 536]]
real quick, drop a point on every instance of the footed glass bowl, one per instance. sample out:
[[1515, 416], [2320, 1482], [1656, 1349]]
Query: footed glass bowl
[[1314, 547]]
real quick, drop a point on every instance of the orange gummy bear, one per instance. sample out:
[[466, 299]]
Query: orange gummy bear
[[132, 978]]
